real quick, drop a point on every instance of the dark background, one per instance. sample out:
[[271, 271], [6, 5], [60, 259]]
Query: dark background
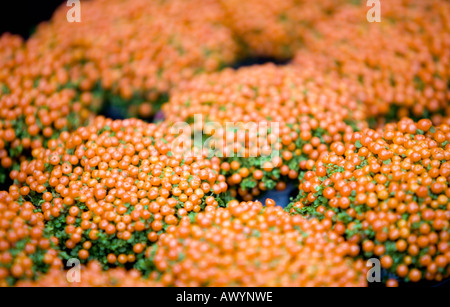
[[21, 17]]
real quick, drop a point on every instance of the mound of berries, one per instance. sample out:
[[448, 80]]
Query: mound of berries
[[401, 63], [91, 275], [134, 51], [247, 244], [108, 190], [388, 191], [26, 249], [275, 29], [310, 112], [37, 99]]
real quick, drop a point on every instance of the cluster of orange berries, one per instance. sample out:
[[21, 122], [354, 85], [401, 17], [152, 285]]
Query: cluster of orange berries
[[402, 64], [143, 48], [246, 244], [389, 192], [25, 249], [36, 101], [311, 111], [276, 29], [108, 190], [91, 275]]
